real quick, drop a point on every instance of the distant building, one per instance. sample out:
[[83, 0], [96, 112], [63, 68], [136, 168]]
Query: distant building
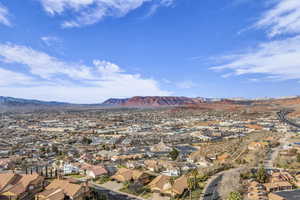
[[160, 147]]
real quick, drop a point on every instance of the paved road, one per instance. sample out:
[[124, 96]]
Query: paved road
[[273, 153], [113, 195], [282, 116], [210, 191]]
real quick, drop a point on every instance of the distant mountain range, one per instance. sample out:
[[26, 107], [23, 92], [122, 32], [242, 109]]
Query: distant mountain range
[[10, 101], [114, 102], [160, 101], [138, 101], [156, 101]]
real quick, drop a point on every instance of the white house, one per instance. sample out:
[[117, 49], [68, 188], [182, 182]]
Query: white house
[[172, 171], [70, 169], [96, 171]]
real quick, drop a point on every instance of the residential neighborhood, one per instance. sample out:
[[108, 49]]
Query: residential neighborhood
[[151, 154]]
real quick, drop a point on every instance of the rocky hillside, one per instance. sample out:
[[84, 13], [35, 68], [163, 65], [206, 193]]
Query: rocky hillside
[[152, 101], [114, 102]]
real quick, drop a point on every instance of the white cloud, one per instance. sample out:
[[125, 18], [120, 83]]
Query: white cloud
[[85, 84], [167, 2], [77, 94], [58, 6], [40, 63], [11, 78], [51, 40], [87, 12], [283, 18], [4, 16], [106, 68], [156, 6], [277, 59]]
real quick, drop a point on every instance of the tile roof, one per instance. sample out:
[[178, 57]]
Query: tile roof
[[69, 188]]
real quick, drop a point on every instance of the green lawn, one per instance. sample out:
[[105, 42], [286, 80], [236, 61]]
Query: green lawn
[[102, 180], [76, 176], [195, 195], [141, 191]]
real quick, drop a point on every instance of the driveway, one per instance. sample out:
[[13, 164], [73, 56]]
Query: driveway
[[112, 185], [157, 196], [272, 155], [115, 187]]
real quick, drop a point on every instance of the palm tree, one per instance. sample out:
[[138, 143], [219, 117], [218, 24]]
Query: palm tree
[[195, 174], [190, 186], [172, 181], [192, 181], [46, 171], [51, 172]]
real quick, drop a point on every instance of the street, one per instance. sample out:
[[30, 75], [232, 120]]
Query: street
[[210, 191]]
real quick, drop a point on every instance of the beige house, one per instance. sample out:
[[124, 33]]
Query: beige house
[[278, 186], [273, 196], [124, 175], [60, 189], [163, 185], [20, 186]]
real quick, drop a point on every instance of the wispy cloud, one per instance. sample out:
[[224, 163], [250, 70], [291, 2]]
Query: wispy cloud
[[50, 40], [40, 63], [283, 18], [87, 12], [277, 59], [4, 15], [68, 81], [154, 7], [8, 77]]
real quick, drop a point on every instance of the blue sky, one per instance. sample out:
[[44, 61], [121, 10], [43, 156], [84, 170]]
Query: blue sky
[[85, 51]]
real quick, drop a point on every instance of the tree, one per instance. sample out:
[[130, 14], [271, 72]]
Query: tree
[[174, 154], [86, 140], [235, 196], [298, 157], [55, 149], [261, 175], [172, 181], [43, 149], [135, 187], [190, 186], [195, 174], [230, 182]]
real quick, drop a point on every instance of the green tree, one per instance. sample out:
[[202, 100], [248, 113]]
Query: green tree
[[195, 174], [261, 175], [192, 181], [55, 149], [190, 186], [174, 154], [298, 157], [235, 196], [43, 149], [86, 140]]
